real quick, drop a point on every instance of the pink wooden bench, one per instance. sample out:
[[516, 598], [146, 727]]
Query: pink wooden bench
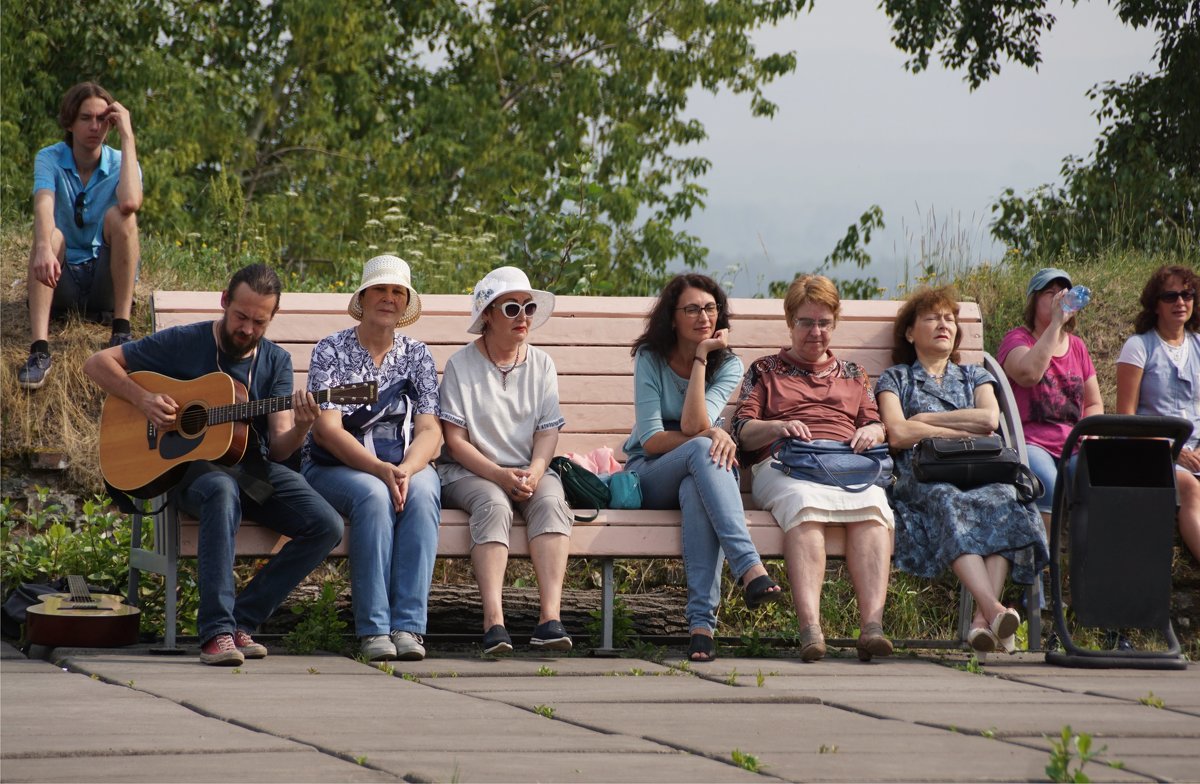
[[589, 339]]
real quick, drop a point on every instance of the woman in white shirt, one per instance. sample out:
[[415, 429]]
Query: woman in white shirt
[[500, 419], [1158, 374]]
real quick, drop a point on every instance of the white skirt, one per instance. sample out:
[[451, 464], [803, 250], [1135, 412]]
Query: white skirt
[[795, 501]]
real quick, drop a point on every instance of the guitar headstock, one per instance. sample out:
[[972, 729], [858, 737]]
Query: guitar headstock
[[350, 394]]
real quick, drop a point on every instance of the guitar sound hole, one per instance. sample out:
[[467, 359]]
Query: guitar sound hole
[[192, 421]]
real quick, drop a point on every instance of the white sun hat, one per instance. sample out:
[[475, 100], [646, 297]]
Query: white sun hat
[[391, 271], [507, 280]]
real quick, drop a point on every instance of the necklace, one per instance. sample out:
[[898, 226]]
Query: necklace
[[935, 376], [504, 371], [1177, 354]]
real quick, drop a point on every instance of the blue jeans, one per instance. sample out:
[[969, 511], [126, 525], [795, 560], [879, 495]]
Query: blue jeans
[[686, 478], [391, 555], [1045, 466], [294, 510]]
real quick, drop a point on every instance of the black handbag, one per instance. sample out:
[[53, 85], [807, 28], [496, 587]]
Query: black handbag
[[583, 489], [833, 463], [972, 462]]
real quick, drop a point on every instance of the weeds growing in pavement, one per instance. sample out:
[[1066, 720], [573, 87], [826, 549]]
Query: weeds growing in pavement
[[1152, 700], [1064, 751], [544, 710], [546, 672], [746, 761]]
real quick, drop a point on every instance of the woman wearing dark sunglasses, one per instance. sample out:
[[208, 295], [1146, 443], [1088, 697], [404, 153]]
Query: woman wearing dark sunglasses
[[500, 418], [684, 373], [1158, 374]]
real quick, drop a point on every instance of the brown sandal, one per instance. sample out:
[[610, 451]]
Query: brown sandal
[[871, 642], [812, 643]]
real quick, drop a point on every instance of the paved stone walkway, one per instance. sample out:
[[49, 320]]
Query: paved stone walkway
[[130, 717]]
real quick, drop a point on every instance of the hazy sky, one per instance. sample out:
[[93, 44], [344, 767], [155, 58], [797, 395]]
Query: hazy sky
[[855, 129]]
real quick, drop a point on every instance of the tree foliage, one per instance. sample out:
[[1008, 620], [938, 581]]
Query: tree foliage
[[1140, 187], [561, 127]]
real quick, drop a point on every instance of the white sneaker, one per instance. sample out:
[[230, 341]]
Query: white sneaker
[[409, 646], [377, 647]]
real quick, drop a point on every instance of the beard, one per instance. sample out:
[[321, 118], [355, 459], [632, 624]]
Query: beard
[[233, 345]]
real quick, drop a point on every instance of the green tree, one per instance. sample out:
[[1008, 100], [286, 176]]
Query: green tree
[[561, 127], [1140, 186]]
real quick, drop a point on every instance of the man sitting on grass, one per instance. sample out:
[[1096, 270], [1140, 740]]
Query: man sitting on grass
[[85, 237]]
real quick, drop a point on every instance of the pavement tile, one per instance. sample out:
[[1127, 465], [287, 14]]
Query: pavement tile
[[1097, 718], [509, 666], [715, 729], [307, 718], [77, 715], [987, 760], [301, 766], [646, 688], [664, 767]]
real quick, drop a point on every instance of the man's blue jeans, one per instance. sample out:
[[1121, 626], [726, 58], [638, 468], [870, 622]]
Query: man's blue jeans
[[391, 555], [294, 509], [687, 479]]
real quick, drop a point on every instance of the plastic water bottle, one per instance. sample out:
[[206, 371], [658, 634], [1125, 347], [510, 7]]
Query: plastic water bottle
[[1076, 300]]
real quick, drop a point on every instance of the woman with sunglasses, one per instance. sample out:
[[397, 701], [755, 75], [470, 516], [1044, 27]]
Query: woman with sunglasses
[[1158, 374], [684, 373], [500, 419], [1053, 378]]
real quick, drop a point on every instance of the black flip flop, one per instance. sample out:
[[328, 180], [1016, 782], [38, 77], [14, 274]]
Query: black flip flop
[[705, 646], [760, 591]]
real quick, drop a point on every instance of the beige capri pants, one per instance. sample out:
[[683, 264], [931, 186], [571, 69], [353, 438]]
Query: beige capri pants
[[491, 510]]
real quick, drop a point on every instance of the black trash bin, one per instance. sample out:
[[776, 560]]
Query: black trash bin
[[1119, 514]]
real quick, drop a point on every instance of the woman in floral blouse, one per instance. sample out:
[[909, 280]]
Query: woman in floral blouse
[[382, 478]]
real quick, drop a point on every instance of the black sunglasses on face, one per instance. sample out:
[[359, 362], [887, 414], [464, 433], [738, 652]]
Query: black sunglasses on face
[[513, 309], [79, 209], [1174, 296]]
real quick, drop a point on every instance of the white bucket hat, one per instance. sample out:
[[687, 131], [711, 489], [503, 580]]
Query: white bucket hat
[[506, 280], [387, 270]]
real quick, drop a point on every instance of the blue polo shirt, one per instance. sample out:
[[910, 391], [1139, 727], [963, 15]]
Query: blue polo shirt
[[54, 170]]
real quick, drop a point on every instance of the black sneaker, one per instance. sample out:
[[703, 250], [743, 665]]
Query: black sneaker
[[496, 641], [120, 339], [33, 373], [550, 636]]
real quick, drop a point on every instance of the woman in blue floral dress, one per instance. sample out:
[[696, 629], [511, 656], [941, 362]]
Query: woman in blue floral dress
[[980, 533]]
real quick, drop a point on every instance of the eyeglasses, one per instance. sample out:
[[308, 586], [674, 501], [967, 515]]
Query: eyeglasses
[[806, 324], [1187, 295], [79, 209], [512, 309], [694, 311]]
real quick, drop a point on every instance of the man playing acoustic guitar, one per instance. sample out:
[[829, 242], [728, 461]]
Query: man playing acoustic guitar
[[257, 486]]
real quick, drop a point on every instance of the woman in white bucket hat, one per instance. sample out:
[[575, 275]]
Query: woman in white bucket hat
[[500, 417], [372, 463]]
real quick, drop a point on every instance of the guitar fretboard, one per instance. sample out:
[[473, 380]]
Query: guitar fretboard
[[237, 412]]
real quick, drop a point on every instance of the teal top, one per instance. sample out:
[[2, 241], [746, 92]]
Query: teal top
[[658, 394]]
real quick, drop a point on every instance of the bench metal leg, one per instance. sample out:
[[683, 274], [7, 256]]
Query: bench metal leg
[[1033, 609], [606, 611], [966, 610], [162, 559]]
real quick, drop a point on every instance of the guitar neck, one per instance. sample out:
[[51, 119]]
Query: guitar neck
[[238, 412]]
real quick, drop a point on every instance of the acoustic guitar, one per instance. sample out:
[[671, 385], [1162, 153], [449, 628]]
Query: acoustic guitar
[[82, 618], [212, 424]]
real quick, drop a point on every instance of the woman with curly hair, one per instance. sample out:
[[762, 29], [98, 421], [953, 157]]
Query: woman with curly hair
[[684, 373], [1158, 373]]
